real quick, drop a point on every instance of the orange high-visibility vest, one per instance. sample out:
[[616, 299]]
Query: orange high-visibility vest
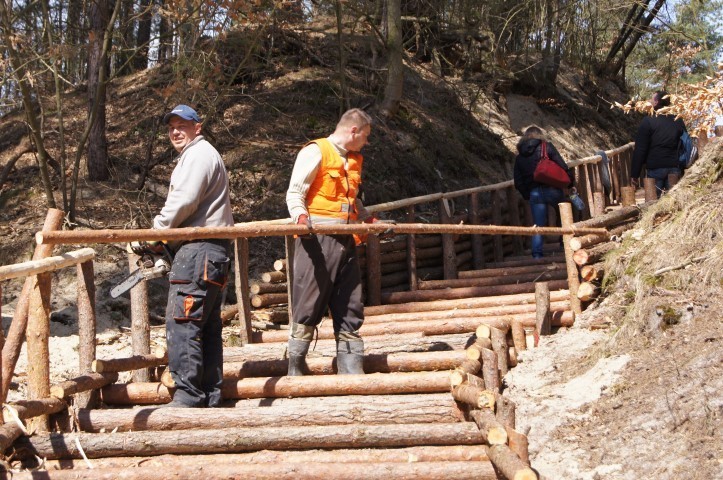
[[333, 191]]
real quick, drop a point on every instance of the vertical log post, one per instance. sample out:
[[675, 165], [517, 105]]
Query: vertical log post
[[496, 220], [590, 201], [513, 210], [628, 196], [499, 346], [241, 280], [478, 255], [542, 300], [650, 189], [140, 321], [38, 336], [449, 256], [599, 203], [614, 167], [16, 333], [411, 252], [374, 271], [86, 329], [572, 279], [289, 248]]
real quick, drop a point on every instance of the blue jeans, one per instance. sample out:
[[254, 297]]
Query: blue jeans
[[540, 198], [661, 178]]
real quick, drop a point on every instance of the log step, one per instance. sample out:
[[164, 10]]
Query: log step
[[229, 440], [454, 453], [469, 470], [291, 412], [274, 387]]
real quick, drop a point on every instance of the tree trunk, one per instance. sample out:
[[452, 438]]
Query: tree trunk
[[97, 71], [143, 35], [395, 63]]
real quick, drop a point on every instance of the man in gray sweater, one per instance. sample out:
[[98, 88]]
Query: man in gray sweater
[[198, 197]]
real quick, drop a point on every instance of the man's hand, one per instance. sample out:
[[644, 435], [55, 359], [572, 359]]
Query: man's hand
[[305, 220], [386, 234], [144, 248]]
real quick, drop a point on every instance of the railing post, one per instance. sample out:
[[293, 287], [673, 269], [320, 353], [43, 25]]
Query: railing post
[[599, 203], [572, 279], [86, 328], [478, 254], [496, 220], [241, 281], [513, 212], [16, 333], [542, 301], [140, 322], [449, 256], [38, 335], [628, 196], [374, 271], [289, 250], [411, 252]]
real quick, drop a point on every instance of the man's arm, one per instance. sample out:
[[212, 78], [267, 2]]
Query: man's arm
[[642, 145], [307, 165]]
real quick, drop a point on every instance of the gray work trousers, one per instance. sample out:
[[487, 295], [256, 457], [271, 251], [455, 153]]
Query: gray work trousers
[[327, 276], [193, 322]]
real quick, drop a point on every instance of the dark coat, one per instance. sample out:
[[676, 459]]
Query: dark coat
[[530, 151], [657, 143]]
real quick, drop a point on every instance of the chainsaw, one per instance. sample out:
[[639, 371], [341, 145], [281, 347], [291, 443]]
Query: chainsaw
[[151, 264]]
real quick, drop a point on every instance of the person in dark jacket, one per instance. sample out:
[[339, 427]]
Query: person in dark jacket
[[538, 194], [657, 145]]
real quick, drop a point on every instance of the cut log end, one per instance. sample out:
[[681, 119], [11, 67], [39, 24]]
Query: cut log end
[[483, 331]]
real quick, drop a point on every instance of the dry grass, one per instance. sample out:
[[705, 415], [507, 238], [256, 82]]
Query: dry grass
[[676, 264]]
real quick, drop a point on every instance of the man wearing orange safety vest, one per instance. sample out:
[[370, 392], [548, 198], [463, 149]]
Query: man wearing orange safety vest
[[323, 190]]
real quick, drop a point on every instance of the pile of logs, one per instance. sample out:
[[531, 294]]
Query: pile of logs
[[589, 250], [432, 398]]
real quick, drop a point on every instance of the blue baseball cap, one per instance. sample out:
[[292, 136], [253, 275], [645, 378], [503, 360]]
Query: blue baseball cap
[[182, 111]]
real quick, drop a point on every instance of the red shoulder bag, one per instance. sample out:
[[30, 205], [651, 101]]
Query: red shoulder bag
[[550, 173]]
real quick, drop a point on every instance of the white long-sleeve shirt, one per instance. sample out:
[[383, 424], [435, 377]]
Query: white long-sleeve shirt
[[306, 167], [199, 193]]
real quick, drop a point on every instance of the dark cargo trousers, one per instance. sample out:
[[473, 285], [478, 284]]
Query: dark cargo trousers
[[193, 322], [326, 275]]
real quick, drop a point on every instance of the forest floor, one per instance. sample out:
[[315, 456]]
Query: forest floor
[[618, 402]]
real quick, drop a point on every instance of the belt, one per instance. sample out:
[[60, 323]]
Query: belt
[[223, 242]]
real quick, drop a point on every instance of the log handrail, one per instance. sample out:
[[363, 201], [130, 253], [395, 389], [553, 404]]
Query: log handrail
[[34, 267], [263, 230]]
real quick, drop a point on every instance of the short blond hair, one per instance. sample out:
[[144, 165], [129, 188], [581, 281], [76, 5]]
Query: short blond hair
[[355, 117]]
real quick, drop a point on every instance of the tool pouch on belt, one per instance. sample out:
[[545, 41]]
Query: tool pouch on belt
[[191, 276]]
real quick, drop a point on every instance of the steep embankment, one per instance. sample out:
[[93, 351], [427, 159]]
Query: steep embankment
[[640, 398]]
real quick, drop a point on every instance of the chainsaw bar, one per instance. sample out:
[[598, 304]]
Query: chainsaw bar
[[138, 276], [131, 281]]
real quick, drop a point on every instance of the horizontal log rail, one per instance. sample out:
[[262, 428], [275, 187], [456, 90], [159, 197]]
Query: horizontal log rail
[[265, 230], [49, 264]]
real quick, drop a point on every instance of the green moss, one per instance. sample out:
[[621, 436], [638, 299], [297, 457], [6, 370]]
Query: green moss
[[670, 316]]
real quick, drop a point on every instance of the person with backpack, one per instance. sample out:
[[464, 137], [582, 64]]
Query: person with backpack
[[658, 145], [539, 192]]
